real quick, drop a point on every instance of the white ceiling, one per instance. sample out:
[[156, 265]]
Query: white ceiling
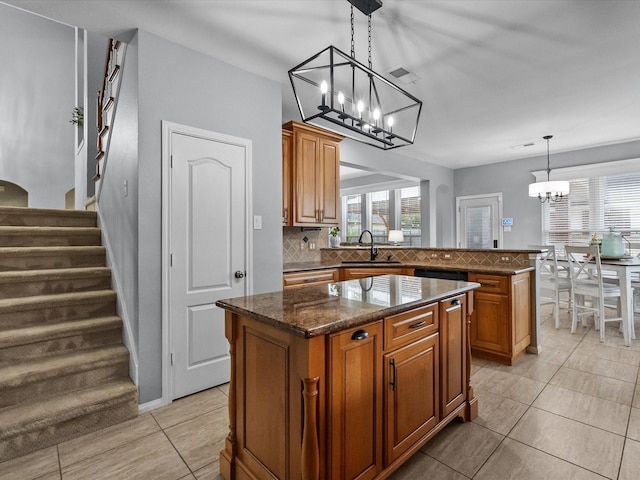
[[493, 74]]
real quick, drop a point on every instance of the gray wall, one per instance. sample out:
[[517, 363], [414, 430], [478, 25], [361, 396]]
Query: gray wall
[[37, 97], [165, 81], [513, 179], [436, 186]]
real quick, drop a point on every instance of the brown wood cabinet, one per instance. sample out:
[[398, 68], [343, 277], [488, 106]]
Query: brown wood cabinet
[[500, 324], [412, 394], [314, 197], [453, 354], [350, 273], [286, 177], [353, 404], [300, 279]]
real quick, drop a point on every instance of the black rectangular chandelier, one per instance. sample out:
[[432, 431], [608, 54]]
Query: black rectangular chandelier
[[335, 91]]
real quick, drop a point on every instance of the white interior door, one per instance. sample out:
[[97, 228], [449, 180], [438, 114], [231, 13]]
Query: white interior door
[[479, 221], [208, 252]]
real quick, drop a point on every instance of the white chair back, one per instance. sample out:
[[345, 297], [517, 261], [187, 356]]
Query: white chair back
[[585, 269], [551, 277]]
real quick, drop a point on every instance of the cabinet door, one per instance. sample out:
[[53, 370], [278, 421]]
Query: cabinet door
[[412, 399], [453, 353], [329, 176], [490, 323], [355, 405], [305, 173], [286, 178]]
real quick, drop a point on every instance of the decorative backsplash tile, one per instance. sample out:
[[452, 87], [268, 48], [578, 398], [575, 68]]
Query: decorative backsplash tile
[[296, 249], [431, 256]]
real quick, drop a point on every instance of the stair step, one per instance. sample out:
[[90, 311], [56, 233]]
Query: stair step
[[42, 258], [12, 236], [38, 424], [47, 377], [29, 283], [49, 309], [22, 344], [20, 216]]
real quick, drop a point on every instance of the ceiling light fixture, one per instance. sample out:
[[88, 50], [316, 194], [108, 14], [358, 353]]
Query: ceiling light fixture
[[549, 191], [335, 91]]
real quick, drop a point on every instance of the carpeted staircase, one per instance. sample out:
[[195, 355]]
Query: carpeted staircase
[[64, 371]]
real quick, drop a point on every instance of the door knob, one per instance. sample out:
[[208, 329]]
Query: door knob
[[239, 274]]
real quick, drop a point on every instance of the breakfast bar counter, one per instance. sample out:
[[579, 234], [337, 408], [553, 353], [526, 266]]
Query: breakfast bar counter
[[345, 380]]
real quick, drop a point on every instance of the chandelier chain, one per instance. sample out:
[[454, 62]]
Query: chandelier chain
[[370, 64], [353, 44]]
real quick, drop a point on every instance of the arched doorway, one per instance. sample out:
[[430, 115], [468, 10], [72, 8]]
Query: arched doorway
[[12, 195]]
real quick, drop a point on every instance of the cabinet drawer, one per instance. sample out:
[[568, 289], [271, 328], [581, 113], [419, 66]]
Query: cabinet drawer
[[491, 283], [407, 327], [299, 279]]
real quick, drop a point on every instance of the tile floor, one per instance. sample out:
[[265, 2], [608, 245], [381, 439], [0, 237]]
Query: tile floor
[[572, 412]]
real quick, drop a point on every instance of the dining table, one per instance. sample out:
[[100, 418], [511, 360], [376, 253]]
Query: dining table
[[624, 268]]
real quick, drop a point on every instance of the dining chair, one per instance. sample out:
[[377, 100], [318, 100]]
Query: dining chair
[[553, 279], [587, 282]]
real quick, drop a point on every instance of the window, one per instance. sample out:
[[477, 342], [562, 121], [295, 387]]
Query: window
[[352, 214], [383, 211], [594, 205], [380, 218], [410, 216]]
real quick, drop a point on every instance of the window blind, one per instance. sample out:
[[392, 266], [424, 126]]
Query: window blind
[[595, 205], [410, 215]]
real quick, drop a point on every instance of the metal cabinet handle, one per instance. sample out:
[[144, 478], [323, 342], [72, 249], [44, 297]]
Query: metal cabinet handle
[[392, 362], [360, 335], [238, 274], [455, 301], [418, 324]]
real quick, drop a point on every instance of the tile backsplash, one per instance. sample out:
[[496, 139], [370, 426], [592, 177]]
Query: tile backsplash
[[296, 249]]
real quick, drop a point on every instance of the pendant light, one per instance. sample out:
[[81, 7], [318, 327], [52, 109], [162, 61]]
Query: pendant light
[[335, 91], [549, 191]]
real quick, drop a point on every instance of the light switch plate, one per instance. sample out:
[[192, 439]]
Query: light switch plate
[[257, 222]]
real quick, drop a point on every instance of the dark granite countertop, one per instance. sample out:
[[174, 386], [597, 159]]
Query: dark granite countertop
[[495, 269], [316, 310]]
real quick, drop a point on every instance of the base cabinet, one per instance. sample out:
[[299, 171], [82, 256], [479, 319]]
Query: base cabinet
[[500, 324], [354, 404], [412, 391], [317, 277], [351, 273]]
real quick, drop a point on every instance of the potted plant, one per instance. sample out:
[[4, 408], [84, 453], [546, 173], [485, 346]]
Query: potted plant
[[334, 239], [77, 116]]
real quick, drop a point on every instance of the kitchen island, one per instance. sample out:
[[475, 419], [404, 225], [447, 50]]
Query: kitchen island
[[345, 380]]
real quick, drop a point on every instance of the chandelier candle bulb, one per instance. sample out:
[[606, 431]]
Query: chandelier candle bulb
[[323, 89]]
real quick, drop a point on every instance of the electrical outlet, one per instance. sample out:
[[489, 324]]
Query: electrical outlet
[[504, 259], [303, 246], [434, 255], [446, 256]]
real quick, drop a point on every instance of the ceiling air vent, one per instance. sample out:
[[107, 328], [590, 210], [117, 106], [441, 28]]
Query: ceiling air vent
[[403, 75]]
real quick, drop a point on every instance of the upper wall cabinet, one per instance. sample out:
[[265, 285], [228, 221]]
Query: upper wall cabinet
[[310, 175]]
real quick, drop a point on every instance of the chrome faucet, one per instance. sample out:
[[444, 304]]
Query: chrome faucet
[[374, 249]]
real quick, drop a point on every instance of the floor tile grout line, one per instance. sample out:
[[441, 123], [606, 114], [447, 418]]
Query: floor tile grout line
[[179, 454], [59, 461], [103, 451]]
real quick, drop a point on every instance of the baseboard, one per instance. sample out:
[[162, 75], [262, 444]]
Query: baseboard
[[152, 405]]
